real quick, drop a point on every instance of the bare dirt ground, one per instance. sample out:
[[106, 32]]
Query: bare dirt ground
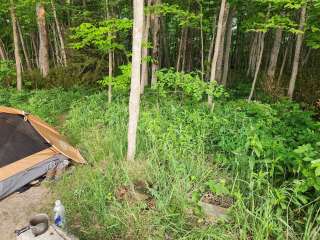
[[16, 209]]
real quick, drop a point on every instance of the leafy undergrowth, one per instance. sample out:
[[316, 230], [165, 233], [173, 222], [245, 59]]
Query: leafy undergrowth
[[266, 156]]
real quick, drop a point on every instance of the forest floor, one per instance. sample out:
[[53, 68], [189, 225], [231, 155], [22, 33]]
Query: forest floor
[[16, 210]]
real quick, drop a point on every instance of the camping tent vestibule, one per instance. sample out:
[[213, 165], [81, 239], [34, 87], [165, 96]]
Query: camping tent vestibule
[[29, 148]]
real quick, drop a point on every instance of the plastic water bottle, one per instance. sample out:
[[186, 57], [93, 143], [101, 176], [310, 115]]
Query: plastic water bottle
[[59, 214]]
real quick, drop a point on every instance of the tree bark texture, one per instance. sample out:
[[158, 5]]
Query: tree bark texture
[[43, 37], [296, 59], [144, 68], [62, 45], [216, 48], [228, 48], [16, 46], [134, 101]]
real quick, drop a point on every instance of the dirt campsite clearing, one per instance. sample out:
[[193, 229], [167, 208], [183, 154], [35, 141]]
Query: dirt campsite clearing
[[16, 209]]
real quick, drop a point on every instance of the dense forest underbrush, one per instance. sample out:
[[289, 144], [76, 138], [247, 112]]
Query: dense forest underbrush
[[263, 155]]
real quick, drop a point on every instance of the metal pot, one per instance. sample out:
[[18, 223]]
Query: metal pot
[[38, 224]]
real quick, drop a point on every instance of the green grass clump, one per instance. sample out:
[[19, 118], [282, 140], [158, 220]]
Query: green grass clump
[[265, 153]]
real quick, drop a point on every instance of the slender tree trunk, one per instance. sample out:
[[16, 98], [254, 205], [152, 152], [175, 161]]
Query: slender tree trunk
[[216, 48], [296, 59], [110, 59], [202, 42], [261, 50], [110, 75], [62, 46], [184, 50], [209, 59], [134, 102], [253, 55], [36, 53], [2, 51], [306, 58], [156, 45], [25, 52], [221, 47], [179, 58], [144, 68], [284, 60], [44, 44], [274, 56], [55, 47], [228, 48], [165, 45], [16, 45]]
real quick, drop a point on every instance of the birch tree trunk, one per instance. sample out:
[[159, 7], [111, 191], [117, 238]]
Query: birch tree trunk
[[134, 101], [25, 52], [156, 45], [16, 45], [296, 59], [216, 48], [144, 68], [274, 56], [261, 50], [62, 46], [228, 48], [221, 47], [43, 37], [110, 59]]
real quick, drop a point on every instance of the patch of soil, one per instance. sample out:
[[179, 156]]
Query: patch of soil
[[220, 201], [136, 193], [16, 210]]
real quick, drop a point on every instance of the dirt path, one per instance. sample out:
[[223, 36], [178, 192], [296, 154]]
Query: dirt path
[[16, 210]]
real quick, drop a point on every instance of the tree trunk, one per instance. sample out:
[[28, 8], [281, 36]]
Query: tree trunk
[[43, 37], [55, 47], [261, 49], [62, 46], [274, 56], [221, 47], [184, 50], [209, 59], [180, 51], [144, 68], [284, 60], [110, 59], [165, 45], [25, 52], [156, 45], [228, 48], [216, 48], [134, 101], [306, 58], [34, 46], [296, 59], [16, 45], [253, 55], [2, 51], [202, 43]]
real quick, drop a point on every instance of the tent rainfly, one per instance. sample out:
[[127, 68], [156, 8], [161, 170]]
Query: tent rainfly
[[29, 148]]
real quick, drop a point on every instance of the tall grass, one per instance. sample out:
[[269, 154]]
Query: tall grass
[[182, 147]]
